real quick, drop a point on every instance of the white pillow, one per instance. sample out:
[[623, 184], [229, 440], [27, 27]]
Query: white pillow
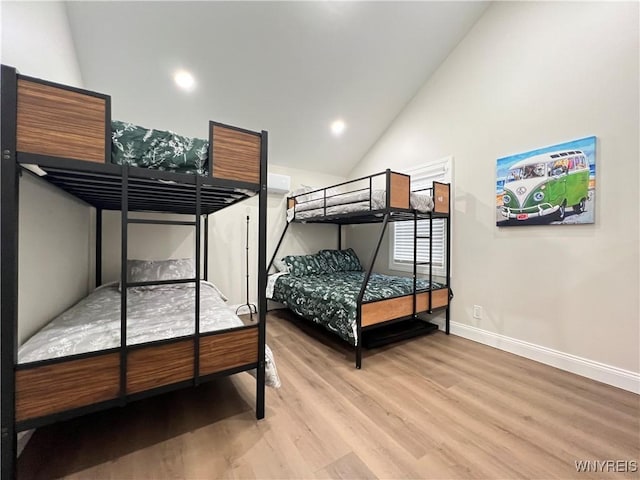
[[298, 193], [158, 270], [281, 266]]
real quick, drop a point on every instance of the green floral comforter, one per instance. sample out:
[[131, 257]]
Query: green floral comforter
[[330, 299], [157, 149]]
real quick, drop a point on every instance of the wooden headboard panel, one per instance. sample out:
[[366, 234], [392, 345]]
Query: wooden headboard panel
[[60, 121], [234, 153], [400, 185]]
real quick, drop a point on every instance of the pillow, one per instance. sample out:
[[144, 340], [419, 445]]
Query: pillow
[[281, 266], [216, 289], [156, 270], [310, 196], [342, 260], [300, 265], [150, 148]]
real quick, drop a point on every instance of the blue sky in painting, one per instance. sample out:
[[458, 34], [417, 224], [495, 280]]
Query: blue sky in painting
[[587, 145]]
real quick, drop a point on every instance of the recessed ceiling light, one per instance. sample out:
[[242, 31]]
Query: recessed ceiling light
[[184, 80], [337, 127]]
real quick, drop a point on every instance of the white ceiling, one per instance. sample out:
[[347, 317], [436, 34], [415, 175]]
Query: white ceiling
[[287, 67]]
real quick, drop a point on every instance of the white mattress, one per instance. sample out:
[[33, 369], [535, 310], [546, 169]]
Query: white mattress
[[155, 313], [352, 202]]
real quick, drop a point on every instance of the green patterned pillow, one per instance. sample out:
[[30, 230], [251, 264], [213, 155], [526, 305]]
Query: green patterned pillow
[[300, 265], [159, 149], [342, 260]]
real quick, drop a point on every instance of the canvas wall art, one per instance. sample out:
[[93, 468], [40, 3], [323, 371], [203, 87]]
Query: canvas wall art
[[551, 185]]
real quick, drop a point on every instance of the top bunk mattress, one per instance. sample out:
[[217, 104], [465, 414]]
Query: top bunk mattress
[[360, 201]]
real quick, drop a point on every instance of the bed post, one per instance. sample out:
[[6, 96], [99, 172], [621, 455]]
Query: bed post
[[262, 276], [196, 336], [98, 247], [359, 339], [448, 247], [430, 311], [9, 188], [415, 260], [124, 226], [387, 186], [206, 246]]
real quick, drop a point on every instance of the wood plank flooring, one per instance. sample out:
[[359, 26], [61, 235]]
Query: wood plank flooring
[[432, 407]]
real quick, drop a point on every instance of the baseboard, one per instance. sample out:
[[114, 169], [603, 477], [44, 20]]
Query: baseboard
[[600, 372]]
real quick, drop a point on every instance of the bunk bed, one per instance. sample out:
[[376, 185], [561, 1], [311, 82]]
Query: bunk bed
[[65, 135], [332, 289]]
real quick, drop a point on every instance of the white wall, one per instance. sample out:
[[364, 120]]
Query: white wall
[[228, 232], [227, 238], [532, 74], [145, 242], [53, 254], [54, 227], [36, 39]]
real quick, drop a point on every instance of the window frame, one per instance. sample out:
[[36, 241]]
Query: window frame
[[426, 170]]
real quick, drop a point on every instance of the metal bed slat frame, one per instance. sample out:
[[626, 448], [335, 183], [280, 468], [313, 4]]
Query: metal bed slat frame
[[384, 216], [120, 188]]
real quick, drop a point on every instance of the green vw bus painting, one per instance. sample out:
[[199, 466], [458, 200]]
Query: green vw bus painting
[[551, 185]]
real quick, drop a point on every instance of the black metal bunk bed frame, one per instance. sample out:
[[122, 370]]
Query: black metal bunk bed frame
[[107, 186], [385, 215]]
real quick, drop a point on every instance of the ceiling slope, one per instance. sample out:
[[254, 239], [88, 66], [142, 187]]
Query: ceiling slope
[[287, 67]]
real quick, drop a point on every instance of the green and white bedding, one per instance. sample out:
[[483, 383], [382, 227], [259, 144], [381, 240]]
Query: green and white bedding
[[158, 149], [330, 299]]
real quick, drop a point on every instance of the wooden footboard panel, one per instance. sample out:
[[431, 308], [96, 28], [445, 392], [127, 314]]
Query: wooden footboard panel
[[66, 385], [228, 350], [441, 194], [159, 365], [234, 153], [59, 121], [384, 310]]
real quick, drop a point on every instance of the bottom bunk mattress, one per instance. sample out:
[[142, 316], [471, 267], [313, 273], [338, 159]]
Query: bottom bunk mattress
[[153, 313], [330, 299]]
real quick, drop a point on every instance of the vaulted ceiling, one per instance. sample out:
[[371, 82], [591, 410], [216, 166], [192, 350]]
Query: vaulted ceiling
[[287, 67]]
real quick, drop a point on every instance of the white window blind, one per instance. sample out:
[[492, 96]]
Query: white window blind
[[401, 248]]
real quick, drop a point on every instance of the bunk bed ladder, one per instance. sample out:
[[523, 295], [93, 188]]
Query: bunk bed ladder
[[416, 263], [430, 310], [125, 221]]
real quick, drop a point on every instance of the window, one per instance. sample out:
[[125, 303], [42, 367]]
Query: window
[[401, 235]]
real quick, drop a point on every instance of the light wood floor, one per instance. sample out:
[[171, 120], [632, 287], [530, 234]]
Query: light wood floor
[[432, 407]]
